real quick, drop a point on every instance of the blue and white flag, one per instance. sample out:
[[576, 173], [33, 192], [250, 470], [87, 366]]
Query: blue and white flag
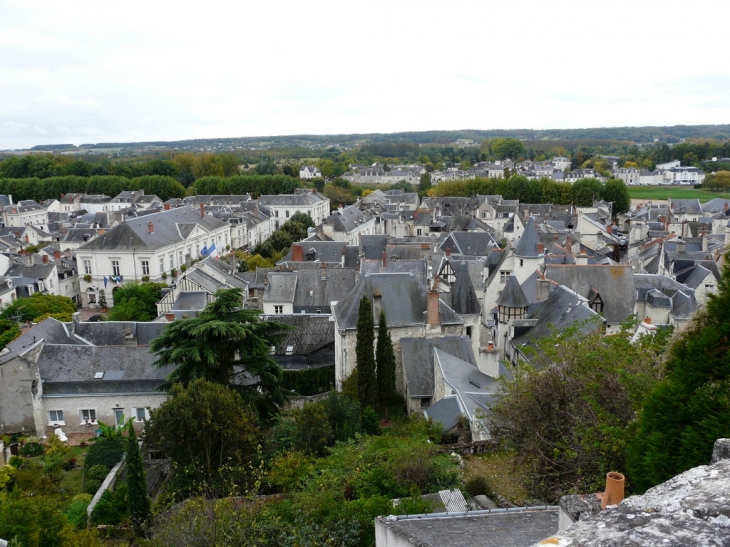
[[106, 279], [204, 251], [211, 250], [118, 280]]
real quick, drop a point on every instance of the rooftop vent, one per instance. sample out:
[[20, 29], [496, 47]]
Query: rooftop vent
[[98, 376]]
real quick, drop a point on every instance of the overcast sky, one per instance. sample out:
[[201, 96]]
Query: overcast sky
[[79, 72]]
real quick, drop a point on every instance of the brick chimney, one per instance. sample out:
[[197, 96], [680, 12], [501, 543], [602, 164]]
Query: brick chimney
[[150, 227], [167, 206], [448, 252], [385, 259], [170, 317], [202, 209], [56, 255], [609, 229], [433, 318], [297, 253], [45, 259]]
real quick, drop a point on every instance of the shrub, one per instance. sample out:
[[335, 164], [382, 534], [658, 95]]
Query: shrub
[[97, 472], [16, 461], [31, 449], [105, 452], [69, 464], [477, 486], [369, 421], [76, 514], [112, 507], [92, 486]]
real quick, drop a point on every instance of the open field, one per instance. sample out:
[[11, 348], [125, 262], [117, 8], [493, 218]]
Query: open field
[[675, 192]]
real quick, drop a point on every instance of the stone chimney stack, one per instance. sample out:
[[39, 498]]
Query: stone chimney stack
[[489, 360], [581, 259], [543, 290]]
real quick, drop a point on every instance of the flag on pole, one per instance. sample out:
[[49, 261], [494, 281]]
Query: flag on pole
[[106, 279], [204, 251], [212, 249]]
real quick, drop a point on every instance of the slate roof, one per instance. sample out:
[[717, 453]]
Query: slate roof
[[191, 301], [512, 295], [446, 412], [67, 370], [311, 333], [170, 227], [418, 268], [466, 380], [35, 271], [322, 251], [281, 287], [403, 301], [614, 284], [464, 299], [562, 308], [527, 246], [111, 333], [417, 359], [516, 528], [372, 245], [293, 200], [469, 243]]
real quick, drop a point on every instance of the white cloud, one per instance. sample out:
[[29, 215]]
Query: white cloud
[[93, 71]]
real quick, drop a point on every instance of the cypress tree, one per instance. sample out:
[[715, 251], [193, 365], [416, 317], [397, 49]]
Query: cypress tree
[[386, 365], [365, 354], [137, 501], [684, 415]]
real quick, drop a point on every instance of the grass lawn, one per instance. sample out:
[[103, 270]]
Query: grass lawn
[[675, 192], [504, 477]]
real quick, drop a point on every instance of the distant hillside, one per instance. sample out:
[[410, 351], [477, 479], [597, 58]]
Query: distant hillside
[[670, 134]]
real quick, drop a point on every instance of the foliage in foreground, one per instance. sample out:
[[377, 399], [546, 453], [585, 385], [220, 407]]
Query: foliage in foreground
[[331, 500], [210, 435], [684, 415], [571, 414], [135, 301]]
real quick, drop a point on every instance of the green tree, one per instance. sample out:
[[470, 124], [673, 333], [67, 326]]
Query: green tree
[[135, 301], [228, 344], [586, 191], [502, 148], [570, 413], [684, 415], [9, 331], [717, 181], [424, 185], [138, 503], [29, 309], [385, 358], [209, 433], [365, 357], [616, 192], [54, 459]]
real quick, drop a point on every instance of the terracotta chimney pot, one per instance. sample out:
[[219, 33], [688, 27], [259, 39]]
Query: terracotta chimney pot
[[614, 489]]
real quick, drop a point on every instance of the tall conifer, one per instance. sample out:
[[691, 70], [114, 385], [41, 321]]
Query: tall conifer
[[365, 353], [137, 500], [386, 364]]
